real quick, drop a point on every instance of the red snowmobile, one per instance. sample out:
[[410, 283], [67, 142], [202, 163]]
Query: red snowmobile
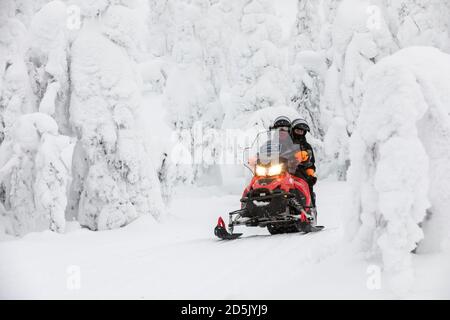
[[275, 197]]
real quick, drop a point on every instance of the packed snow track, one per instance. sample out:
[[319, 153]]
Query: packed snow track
[[180, 258]]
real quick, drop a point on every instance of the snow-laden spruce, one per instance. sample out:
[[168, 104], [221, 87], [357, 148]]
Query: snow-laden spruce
[[399, 170], [420, 23], [359, 39], [191, 95], [307, 65], [114, 180], [257, 78], [34, 175], [48, 62], [16, 94]]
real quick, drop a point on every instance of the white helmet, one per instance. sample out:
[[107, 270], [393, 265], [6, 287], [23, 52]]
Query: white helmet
[[299, 124]]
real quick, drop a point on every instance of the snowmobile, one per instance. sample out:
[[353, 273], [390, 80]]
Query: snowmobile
[[275, 199]]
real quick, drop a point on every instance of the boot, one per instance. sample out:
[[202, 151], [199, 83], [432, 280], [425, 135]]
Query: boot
[[294, 203]]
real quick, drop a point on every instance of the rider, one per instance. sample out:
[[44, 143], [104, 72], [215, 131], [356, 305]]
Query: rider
[[306, 169], [283, 124]]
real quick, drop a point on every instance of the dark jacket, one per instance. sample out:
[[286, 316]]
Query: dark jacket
[[310, 163]]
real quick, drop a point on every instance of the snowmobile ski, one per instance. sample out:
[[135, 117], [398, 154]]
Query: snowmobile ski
[[221, 231], [311, 228]]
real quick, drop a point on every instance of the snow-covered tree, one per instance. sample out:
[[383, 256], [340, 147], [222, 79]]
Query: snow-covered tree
[[420, 22], [360, 34], [34, 161], [255, 74], [114, 180], [257, 78], [306, 32], [335, 154], [193, 106], [16, 95], [48, 62], [360, 37], [34, 175], [399, 160], [158, 23], [307, 73]]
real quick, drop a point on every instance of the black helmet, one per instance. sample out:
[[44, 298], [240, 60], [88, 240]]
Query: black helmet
[[299, 124], [281, 121]]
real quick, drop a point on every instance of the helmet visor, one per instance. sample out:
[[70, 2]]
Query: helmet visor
[[299, 131]]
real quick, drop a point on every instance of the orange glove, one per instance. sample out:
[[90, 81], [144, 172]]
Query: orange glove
[[302, 156], [310, 172]]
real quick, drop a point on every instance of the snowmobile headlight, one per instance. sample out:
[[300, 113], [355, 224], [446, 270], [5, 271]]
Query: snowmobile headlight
[[275, 169], [261, 171]]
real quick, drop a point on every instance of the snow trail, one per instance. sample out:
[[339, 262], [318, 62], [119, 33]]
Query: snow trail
[[181, 258]]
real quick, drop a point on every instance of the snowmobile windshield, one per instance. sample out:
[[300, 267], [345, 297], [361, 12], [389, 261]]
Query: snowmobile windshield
[[273, 148]]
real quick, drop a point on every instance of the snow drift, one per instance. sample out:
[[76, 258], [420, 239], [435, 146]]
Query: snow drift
[[399, 160]]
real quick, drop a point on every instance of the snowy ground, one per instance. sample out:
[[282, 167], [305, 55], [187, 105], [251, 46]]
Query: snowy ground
[[181, 259]]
